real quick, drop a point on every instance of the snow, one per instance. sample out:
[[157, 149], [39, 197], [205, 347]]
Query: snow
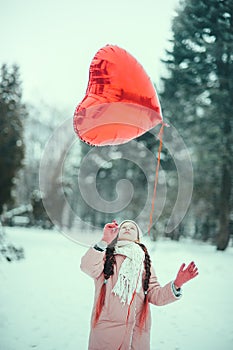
[[46, 300]]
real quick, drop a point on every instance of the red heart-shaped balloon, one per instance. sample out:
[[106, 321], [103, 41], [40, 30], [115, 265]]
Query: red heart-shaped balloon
[[121, 102]]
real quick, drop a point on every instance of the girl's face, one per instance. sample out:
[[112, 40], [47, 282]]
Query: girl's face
[[128, 232]]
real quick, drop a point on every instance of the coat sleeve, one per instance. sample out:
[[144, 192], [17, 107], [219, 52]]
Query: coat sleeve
[[160, 295], [92, 263]]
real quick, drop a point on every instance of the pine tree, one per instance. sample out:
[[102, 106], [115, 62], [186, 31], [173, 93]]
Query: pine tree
[[12, 112], [197, 98]]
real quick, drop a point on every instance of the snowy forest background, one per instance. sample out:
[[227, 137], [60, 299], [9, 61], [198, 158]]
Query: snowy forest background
[[46, 301], [196, 95]]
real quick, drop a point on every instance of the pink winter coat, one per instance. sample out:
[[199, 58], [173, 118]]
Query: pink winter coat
[[111, 331]]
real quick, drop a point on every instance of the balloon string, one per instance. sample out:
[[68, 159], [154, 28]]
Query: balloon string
[[160, 136]]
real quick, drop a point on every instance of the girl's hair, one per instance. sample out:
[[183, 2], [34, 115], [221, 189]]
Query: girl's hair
[[109, 271]]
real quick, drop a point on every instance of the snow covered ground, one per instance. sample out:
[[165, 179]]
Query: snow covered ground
[[46, 301]]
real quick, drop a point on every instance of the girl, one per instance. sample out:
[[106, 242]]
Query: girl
[[125, 284]]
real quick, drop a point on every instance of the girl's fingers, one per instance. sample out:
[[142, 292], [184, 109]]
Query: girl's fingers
[[182, 267], [190, 265], [195, 274], [195, 270], [112, 224]]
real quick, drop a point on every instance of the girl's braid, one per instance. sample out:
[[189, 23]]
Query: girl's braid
[[110, 260], [145, 309], [147, 264], [108, 271]]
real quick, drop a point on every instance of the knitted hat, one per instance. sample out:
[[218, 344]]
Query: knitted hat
[[138, 228]]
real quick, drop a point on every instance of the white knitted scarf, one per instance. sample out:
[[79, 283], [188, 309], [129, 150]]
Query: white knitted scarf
[[130, 274]]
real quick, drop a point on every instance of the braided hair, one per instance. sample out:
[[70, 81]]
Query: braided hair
[[147, 265], [108, 271]]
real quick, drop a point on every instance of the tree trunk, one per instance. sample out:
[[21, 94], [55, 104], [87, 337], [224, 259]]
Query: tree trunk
[[224, 210], [224, 72]]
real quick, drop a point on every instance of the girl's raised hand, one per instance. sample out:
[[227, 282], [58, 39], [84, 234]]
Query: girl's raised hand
[[110, 232], [184, 275]]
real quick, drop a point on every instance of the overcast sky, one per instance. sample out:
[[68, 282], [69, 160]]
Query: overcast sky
[[54, 42]]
